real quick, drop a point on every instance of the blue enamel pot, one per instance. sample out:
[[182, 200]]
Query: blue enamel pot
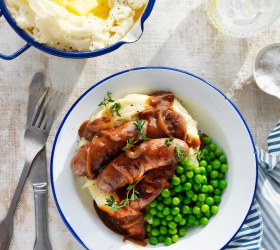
[[132, 36]]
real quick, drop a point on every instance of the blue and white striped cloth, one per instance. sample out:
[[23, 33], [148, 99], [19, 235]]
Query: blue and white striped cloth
[[261, 229]]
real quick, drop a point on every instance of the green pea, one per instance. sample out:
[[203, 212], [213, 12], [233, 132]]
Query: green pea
[[216, 164], [172, 231], [214, 174], [175, 180], [175, 210], [218, 152], [197, 170], [196, 210], [218, 191], [172, 224], [196, 223], [222, 184], [183, 178], [204, 208], [148, 216], [161, 238], [166, 211], [204, 180], [217, 199], [196, 186], [169, 217], [209, 168], [198, 178], [221, 176], [163, 230], [214, 209], [188, 166], [153, 203], [178, 189], [156, 222], [163, 222], [153, 240], [208, 214], [182, 232], [190, 174], [175, 238], [185, 209], [182, 222], [224, 168], [160, 214], [176, 201], [202, 163], [199, 203], [155, 231], [167, 241], [187, 186], [148, 228], [153, 211], [198, 216], [210, 189], [184, 161], [212, 147], [203, 221], [165, 193], [223, 159], [202, 170], [194, 198], [190, 194], [167, 200], [212, 155], [201, 197], [214, 183], [160, 206], [209, 201], [204, 189], [207, 140], [178, 217], [191, 218], [180, 170], [187, 200]]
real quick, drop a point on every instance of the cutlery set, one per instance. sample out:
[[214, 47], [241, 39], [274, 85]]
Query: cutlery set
[[42, 108]]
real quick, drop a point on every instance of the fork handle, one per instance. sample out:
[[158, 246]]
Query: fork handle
[[42, 241]]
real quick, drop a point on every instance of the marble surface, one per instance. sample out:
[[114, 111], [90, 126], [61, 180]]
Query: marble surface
[[178, 34]]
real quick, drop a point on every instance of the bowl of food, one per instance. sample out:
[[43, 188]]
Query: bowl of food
[[76, 28], [155, 157]]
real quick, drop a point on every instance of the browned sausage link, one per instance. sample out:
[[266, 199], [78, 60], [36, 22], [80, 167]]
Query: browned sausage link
[[103, 147], [131, 166], [151, 185]]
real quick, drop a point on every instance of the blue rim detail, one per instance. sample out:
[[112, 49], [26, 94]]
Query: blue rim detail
[[137, 69], [75, 55]]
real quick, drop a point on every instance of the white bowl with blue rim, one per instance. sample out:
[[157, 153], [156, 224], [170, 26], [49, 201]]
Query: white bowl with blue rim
[[217, 116], [132, 36]]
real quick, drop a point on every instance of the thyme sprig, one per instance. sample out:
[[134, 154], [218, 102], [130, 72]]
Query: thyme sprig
[[139, 124], [107, 100], [129, 144], [178, 151], [115, 109]]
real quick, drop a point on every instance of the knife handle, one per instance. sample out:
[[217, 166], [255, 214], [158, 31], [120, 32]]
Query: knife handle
[[42, 241]]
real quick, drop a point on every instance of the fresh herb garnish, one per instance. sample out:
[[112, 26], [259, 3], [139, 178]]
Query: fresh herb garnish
[[107, 100], [129, 143], [115, 109], [178, 151], [112, 204], [139, 124]]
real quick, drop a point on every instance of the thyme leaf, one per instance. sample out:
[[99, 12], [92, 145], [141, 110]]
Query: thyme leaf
[[114, 109], [107, 100], [139, 124], [178, 151], [129, 143]]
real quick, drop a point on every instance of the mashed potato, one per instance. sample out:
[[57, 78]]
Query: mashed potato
[[131, 105], [76, 25]]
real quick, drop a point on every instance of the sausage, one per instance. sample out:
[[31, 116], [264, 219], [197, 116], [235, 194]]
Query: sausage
[[104, 146], [131, 165]]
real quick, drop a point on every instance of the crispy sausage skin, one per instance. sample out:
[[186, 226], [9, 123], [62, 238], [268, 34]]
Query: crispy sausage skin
[[131, 165], [104, 146]]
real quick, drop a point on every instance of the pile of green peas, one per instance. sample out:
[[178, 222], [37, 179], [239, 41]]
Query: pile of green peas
[[192, 198]]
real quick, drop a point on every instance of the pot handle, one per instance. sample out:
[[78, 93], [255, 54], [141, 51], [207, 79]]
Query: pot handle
[[17, 53]]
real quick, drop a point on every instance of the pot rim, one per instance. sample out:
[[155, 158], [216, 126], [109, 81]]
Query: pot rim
[[81, 54]]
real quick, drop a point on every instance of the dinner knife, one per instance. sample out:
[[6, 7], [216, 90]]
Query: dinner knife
[[38, 173]]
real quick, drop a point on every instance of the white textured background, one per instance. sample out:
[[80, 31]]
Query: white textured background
[[178, 34]]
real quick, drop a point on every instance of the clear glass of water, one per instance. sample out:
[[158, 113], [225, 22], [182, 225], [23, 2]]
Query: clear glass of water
[[243, 18]]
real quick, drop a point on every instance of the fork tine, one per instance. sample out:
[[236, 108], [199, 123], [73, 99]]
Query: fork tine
[[39, 107], [51, 113], [43, 110]]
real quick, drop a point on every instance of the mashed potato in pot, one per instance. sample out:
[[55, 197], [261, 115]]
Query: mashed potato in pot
[[76, 25]]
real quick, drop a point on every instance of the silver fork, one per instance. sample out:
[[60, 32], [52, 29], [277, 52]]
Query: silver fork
[[35, 138]]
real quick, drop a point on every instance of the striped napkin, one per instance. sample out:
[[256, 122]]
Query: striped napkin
[[261, 229]]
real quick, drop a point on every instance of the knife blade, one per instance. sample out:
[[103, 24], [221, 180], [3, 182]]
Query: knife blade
[[38, 173]]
